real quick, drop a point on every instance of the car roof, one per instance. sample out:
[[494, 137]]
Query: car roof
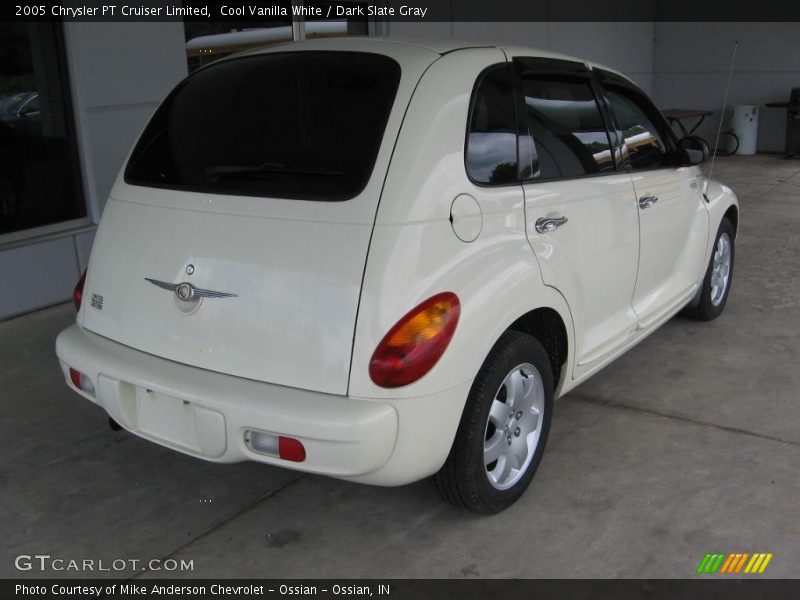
[[394, 44], [512, 51]]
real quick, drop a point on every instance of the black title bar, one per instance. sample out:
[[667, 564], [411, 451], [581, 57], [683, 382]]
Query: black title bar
[[424, 11]]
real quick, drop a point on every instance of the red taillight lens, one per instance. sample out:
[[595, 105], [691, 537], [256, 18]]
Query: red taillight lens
[[291, 449], [77, 293], [416, 342], [75, 377]]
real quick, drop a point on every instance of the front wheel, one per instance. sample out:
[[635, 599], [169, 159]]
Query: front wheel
[[713, 294], [503, 430]]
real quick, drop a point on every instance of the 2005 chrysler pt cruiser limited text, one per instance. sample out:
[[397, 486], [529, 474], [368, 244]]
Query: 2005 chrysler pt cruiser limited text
[[379, 260]]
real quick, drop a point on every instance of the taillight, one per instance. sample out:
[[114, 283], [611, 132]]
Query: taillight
[[77, 293], [416, 342]]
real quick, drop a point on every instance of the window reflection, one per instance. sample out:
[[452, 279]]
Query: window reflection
[[39, 173], [568, 130], [492, 156], [492, 142], [645, 147]]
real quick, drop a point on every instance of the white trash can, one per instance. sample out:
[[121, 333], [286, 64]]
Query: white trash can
[[745, 126]]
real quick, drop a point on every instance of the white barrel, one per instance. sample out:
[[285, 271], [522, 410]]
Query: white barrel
[[745, 126]]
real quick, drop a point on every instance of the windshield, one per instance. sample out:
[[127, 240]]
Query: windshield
[[301, 125]]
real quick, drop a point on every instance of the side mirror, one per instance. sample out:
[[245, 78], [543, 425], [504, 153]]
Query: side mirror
[[693, 150]]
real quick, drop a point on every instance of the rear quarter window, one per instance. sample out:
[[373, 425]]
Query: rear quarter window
[[491, 152], [299, 125]]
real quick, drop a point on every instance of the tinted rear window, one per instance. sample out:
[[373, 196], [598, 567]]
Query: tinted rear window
[[303, 125], [492, 141]]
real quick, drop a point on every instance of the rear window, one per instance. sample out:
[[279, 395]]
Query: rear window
[[302, 125]]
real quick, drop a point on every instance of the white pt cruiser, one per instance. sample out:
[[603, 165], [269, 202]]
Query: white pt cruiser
[[381, 260]]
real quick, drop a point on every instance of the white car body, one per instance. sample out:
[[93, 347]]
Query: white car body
[[319, 284]]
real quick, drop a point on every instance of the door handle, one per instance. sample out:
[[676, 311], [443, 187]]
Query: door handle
[[647, 201], [545, 225]]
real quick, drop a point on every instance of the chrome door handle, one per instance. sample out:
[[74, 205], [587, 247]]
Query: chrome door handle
[[647, 201], [545, 225]]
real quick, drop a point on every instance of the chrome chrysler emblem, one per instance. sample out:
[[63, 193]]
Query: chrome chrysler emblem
[[186, 291]]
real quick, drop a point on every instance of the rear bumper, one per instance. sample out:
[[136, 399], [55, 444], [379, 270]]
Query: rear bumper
[[207, 414]]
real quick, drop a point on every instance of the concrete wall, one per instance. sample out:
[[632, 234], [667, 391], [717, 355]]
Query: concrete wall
[[691, 63], [627, 47], [119, 72]]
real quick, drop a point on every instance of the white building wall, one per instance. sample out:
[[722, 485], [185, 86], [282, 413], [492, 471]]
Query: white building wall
[[119, 73], [692, 61]]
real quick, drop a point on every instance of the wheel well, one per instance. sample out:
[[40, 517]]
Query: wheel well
[[546, 325], [732, 214]]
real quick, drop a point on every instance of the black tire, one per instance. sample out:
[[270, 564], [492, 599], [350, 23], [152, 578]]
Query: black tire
[[464, 480], [702, 307]]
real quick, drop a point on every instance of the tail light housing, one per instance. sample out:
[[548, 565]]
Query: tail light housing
[[77, 293], [416, 342]]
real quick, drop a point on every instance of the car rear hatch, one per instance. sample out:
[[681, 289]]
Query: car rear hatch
[[256, 184]]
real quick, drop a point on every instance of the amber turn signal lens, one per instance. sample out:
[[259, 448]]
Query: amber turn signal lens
[[416, 342]]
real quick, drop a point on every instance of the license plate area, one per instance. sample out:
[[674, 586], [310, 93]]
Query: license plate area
[[166, 418]]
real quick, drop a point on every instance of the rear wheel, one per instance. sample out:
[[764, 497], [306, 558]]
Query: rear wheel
[[713, 294], [503, 430]]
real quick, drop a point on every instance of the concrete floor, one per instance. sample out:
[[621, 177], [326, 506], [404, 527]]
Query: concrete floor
[[688, 444]]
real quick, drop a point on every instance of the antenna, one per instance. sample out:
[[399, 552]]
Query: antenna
[[721, 118]]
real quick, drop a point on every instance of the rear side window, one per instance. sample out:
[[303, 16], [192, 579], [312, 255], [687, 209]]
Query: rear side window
[[491, 153], [302, 125], [646, 147], [568, 130]]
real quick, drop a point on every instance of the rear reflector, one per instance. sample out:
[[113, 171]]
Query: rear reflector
[[75, 377], [81, 381], [291, 449], [276, 445]]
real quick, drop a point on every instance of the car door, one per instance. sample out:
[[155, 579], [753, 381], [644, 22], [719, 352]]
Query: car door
[[581, 214], [673, 221]]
